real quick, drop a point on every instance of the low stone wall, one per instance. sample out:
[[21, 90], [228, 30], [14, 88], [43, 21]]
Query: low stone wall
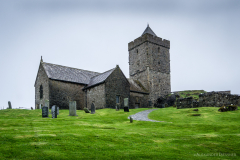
[[185, 102], [218, 99]]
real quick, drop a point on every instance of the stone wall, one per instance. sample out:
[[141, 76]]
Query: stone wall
[[41, 79], [218, 99], [116, 85], [63, 92], [97, 95], [138, 99], [184, 102], [149, 63]]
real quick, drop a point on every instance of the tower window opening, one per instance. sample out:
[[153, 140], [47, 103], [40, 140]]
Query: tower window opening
[[158, 49], [137, 50]]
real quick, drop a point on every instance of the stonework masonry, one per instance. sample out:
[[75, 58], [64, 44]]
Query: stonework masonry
[[61, 93], [138, 100], [97, 95], [112, 90], [218, 99], [149, 63], [41, 79]]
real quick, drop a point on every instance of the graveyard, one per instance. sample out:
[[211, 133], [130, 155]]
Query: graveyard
[[108, 134]]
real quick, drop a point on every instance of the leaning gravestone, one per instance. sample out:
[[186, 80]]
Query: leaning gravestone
[[54, 111], [92, 108], [44, 112], [86, 110], [72, 108], [9, 105], [126, 106]]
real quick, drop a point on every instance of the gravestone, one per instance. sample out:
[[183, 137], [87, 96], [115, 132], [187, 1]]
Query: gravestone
[[72, 108], [126, 106], [131, 119], [47, 104], [57, 110], [44, 112], [92, 108], [149, 104], [86, 110], [54, 111], [117, 106], [9, 105]]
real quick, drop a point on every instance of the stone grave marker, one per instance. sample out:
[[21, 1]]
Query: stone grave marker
[[117, 106], [126, 106], [47, 104], [93, 108], [150, 104], [57, 110], [72, 108], [54, 111], [9, 105], [86, 110], [45, 112]]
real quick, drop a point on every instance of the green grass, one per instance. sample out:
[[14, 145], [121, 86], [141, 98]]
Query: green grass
[[191, 93], [108, 134]]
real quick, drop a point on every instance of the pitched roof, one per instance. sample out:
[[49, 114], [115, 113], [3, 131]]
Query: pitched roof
[[135, 85], [149, 31], [100, 78], [69, 74]]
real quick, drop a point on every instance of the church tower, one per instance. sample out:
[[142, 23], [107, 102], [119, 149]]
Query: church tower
[[149, 63]]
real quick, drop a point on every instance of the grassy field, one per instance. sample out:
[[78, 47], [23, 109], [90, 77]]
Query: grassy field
[[108, 134]]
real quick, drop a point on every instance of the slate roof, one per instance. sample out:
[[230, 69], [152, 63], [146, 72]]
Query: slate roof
[[136, 86], [149, 31], [100, 78], [69, 74]]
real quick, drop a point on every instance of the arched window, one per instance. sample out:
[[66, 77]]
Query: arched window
[[137, 50], [41, 92]]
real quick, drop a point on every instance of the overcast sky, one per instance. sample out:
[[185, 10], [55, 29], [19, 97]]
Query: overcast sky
[[94, 35]]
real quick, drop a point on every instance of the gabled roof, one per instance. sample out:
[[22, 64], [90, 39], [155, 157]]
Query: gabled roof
[[69, 74], [136, 86], [149, 31], [100, 78]]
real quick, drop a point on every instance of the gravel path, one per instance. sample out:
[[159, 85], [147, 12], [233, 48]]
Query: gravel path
[[143, 116]]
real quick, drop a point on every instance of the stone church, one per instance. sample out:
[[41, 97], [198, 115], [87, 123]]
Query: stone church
[[149, 69]]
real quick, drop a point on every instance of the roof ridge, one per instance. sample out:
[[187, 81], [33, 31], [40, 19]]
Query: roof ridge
[[71, 67], [103, 72]]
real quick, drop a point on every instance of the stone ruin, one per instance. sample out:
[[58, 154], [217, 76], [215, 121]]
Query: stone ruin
[[218, 99], [209, 99]]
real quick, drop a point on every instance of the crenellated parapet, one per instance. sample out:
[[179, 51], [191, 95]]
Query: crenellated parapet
[[149, 38]]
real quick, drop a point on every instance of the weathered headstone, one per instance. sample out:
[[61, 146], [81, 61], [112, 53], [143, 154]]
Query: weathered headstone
[[47, 104], [54, 111], [92, 108], [72, 108], [86, 110], [126, 106], [117, 106], [149, 104], [57, 110], [9, 105], [44, 112], [40, 106], [131, 119]]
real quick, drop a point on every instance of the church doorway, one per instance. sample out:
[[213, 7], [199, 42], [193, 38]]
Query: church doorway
[[137, 105]]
